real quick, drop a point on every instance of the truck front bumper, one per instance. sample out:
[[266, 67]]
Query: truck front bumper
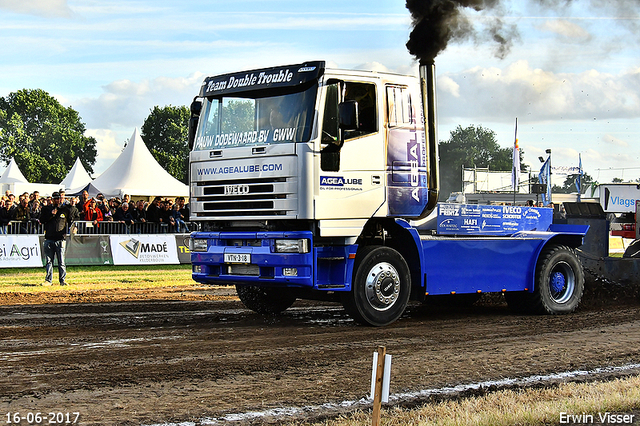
[[286, 259]]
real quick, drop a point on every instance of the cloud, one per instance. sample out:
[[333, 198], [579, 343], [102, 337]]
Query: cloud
[[126, 103], [108, 147], [47, 8], [567, 30], [495, 94], [609, 139]]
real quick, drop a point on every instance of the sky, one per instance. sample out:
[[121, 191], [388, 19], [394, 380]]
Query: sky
[[571, 76]]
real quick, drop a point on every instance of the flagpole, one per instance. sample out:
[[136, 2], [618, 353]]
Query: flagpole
[[515, 170]]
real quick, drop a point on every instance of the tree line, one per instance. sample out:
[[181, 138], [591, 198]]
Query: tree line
[[45, 138]]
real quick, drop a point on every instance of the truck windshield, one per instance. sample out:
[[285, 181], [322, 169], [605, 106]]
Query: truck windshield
[[242, 121]]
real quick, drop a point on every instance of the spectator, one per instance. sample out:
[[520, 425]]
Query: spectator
[[165, 216], [34, 200], [73, 208], [184, 208], [22, 214], [153, 210], [177, 219], [139, 215], [56, 219], [84, 199], [123, 214], [92, 213], [36, 211], [5, 215]]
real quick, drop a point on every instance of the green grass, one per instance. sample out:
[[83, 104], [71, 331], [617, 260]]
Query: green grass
[[514, 407], [29, 280]]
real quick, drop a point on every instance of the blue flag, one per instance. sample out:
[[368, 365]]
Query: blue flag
[[545, 178]]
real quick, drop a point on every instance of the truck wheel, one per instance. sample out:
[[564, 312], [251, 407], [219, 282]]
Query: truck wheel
[[265, 300], [380, 288], [559, 281]]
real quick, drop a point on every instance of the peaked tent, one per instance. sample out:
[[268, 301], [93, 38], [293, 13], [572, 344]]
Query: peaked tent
[[13, 180], [76, 178], [13, 174], [137, 173]]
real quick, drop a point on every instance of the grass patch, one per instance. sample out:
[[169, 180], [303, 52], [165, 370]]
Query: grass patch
[[515, 407], [29, 280]]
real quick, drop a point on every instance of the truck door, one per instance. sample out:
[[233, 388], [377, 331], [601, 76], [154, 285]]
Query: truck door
[[350, 181]]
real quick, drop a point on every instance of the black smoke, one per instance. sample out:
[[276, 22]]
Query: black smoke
[[438, 22]]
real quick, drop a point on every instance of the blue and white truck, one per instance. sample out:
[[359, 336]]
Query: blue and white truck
[[310, 182]]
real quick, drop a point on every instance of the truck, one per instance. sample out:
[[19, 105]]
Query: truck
[[318, 183]]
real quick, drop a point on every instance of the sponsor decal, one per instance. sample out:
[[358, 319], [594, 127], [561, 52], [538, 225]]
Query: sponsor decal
[[250, 80], [233, 170], [244, 138], [340, 183]]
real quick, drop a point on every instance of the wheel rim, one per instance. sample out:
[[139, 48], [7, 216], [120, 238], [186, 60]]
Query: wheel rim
[[562, 282], [383, 286]]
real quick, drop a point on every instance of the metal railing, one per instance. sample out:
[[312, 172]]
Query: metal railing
[[82, 227]]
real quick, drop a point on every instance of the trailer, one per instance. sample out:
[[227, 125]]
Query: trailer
[[310, 182]]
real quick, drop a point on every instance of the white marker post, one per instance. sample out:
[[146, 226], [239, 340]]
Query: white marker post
[[380, 378]]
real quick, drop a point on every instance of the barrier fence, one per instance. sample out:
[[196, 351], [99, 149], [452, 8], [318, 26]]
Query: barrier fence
[[25, 250], [104, 227]]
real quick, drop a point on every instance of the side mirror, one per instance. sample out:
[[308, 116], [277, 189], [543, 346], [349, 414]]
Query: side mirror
[[348, 115], [196, 107]]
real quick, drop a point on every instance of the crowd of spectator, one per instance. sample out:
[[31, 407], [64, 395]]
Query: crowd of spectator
[[167, 214]]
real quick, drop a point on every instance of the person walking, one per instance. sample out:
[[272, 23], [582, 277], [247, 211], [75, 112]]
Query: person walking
[[55, 217]]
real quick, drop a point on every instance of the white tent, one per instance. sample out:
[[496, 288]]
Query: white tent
[[137, 173], [13, 180], [13, 174], [76, 178]]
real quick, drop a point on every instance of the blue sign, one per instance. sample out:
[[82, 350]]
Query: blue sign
[[473, 219]]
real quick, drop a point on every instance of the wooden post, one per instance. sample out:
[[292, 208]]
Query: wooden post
[[377, 397]]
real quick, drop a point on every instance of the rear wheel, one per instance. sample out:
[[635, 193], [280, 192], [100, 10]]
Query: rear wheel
[[381, 286], [265, 300], [559, 281]]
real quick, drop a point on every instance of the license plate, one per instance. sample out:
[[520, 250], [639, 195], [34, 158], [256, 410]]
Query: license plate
[[236, 189], [237, 258]]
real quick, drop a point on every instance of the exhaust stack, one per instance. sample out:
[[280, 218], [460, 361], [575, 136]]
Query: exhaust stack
[[428, 90]]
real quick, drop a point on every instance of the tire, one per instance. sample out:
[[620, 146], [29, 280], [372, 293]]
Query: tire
[[380, 288], [559, 281], [265, 300]]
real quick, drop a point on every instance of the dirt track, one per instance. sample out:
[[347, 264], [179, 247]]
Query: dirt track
[[198, 354]]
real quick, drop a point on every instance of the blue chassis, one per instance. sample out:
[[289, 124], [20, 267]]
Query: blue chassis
[[447, 264]]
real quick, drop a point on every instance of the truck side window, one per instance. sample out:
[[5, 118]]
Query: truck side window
[[365, 95], [399, 106]]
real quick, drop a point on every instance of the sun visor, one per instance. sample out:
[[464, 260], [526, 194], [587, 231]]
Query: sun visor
[[261, 79]]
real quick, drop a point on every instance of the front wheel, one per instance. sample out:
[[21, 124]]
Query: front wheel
[[381, 286], [265, 300], [559, 281]]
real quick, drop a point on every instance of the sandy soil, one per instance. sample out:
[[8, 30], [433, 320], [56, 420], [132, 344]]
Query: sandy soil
[[195, 354]]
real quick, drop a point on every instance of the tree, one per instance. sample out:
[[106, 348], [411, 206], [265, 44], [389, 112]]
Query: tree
[[471, 147], [165, 133], [569, 184], [43, 137]]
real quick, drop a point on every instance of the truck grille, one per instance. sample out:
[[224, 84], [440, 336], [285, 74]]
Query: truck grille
[[261, 197]]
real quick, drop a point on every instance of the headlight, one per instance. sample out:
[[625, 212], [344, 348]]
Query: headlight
[[292, 246], [197, 244]]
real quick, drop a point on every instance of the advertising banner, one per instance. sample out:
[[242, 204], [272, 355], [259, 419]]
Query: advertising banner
[[20, 251], [473, 219], [140, 249], [619, 198], [88, 250]]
